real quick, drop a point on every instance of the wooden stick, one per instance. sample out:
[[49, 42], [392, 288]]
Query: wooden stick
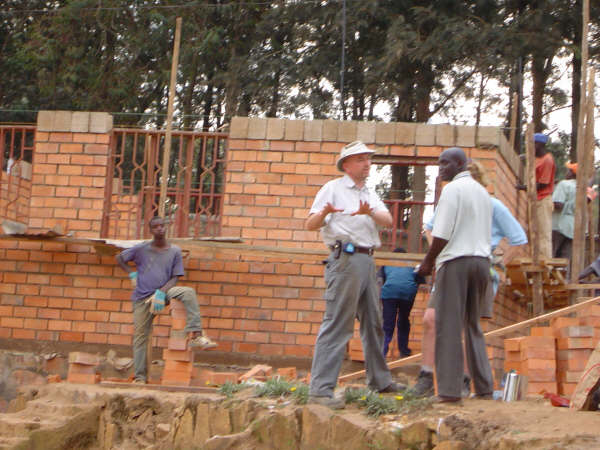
[[536, 288], [579, 229], [513, 120], [167, 152], [494, 333]]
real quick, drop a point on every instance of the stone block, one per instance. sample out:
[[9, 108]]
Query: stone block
[[257, 128], [365, 132], [80, 122], [100, 122], [488, 136], [465, 136], [444, 135], [294, 130], [62, 121], [275, 129], [425, 134], [405, 133], [45, 120], [238, 129], [385, 133], [313, 130], [330, 130], [347, 131]]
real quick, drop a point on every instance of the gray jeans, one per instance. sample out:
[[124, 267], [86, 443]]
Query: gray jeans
[[142, 325], [351, 293]]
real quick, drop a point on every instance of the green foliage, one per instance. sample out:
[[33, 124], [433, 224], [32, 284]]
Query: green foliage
[[229, 388], [280, 387], [376, 404]]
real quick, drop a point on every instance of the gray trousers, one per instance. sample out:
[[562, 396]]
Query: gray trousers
[[351, 293], [460, 285], [142, 325]]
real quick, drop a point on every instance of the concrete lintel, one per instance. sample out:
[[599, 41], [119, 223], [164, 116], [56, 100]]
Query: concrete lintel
[[100, 122], [275, 129], [313, 130], [385, 133], [294, 130], [365, 132], [330, 130], [80, 122], [425, 134], [405, 133], [257, 128]]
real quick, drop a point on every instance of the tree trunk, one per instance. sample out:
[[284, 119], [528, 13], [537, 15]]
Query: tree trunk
[[537, 92], [575, 99]]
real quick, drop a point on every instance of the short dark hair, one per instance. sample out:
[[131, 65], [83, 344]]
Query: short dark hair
[[154, 219], [399, 250]]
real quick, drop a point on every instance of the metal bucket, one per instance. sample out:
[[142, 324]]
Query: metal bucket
[[512, 387]]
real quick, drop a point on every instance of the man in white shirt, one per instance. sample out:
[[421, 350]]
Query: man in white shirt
[[348, 213], [461, 249]]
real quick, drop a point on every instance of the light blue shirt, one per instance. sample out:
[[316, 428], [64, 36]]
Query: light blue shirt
[[564, 220], [504, 225]]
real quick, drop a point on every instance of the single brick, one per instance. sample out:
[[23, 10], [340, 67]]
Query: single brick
[[538, 353], [536, 375], [83, 378], [560, 322], [177, 343], [570, 376], [513, 344], [542, 331], [84, 358], [219, 378], [537, 341], [575, 343], [576, 331], [512, 355], [178, 355], [179, 366], [289, 373]]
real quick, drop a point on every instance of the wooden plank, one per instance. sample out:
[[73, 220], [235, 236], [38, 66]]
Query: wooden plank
[[579, 287], [164, 181], [494, 333]]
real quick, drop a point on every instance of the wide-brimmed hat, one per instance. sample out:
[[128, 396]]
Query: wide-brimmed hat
[[353, 148], [571, 166]]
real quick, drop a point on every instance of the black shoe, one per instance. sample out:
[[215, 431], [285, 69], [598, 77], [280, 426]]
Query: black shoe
[[466, 390], [483, 396], [424, 386], [394, 387]]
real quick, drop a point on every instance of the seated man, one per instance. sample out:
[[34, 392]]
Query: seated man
[[158, 266]]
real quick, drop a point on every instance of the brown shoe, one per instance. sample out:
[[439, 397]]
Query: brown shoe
[[444, 399]]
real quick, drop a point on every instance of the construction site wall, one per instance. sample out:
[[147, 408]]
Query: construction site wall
[[250, 303]]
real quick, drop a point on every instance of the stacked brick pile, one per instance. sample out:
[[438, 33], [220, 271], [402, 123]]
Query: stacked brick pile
[[534, 357], [575, 342], [82, 368], [553, 358], [178, 356]]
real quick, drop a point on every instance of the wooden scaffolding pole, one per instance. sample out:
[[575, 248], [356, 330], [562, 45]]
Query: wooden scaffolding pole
[[164, 181], [577, 254], [590, 143], [537, 293]]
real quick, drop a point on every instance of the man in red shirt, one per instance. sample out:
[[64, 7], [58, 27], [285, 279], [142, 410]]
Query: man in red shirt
[[544, 177]]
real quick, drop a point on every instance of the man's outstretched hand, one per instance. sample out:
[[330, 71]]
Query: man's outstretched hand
[[363, 208]]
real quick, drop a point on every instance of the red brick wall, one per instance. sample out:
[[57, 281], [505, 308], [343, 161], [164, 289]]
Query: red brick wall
[[69, 172], [250, 304]]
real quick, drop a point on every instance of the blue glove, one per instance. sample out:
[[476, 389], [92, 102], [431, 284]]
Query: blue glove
[[158, 301], [133, 278]]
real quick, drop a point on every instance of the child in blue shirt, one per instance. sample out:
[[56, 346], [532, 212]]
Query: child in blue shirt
[[400, 285]]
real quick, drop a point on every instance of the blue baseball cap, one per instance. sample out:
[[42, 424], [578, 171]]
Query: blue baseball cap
[[540, 137]]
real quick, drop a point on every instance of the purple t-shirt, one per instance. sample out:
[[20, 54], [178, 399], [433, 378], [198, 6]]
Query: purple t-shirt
[[154, 267]]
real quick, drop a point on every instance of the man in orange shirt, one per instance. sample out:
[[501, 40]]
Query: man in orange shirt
[[544, 177]]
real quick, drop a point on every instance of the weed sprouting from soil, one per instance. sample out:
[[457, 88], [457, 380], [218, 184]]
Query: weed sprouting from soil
[[377, 404], [279, 387], [229, 388]]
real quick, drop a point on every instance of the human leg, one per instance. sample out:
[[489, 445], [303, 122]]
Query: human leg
[[424, 385], [142, 326], [449, 323], [368, 312], [390, 310], [341, 298], [187, 296], [476, 351], [403, 326]]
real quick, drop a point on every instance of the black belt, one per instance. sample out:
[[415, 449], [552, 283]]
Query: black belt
[[366, 250]]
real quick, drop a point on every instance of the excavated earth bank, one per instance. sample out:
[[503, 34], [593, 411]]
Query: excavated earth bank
[[68, 416]]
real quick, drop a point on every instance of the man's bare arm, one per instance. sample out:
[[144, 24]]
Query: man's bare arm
[[126, 267]]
